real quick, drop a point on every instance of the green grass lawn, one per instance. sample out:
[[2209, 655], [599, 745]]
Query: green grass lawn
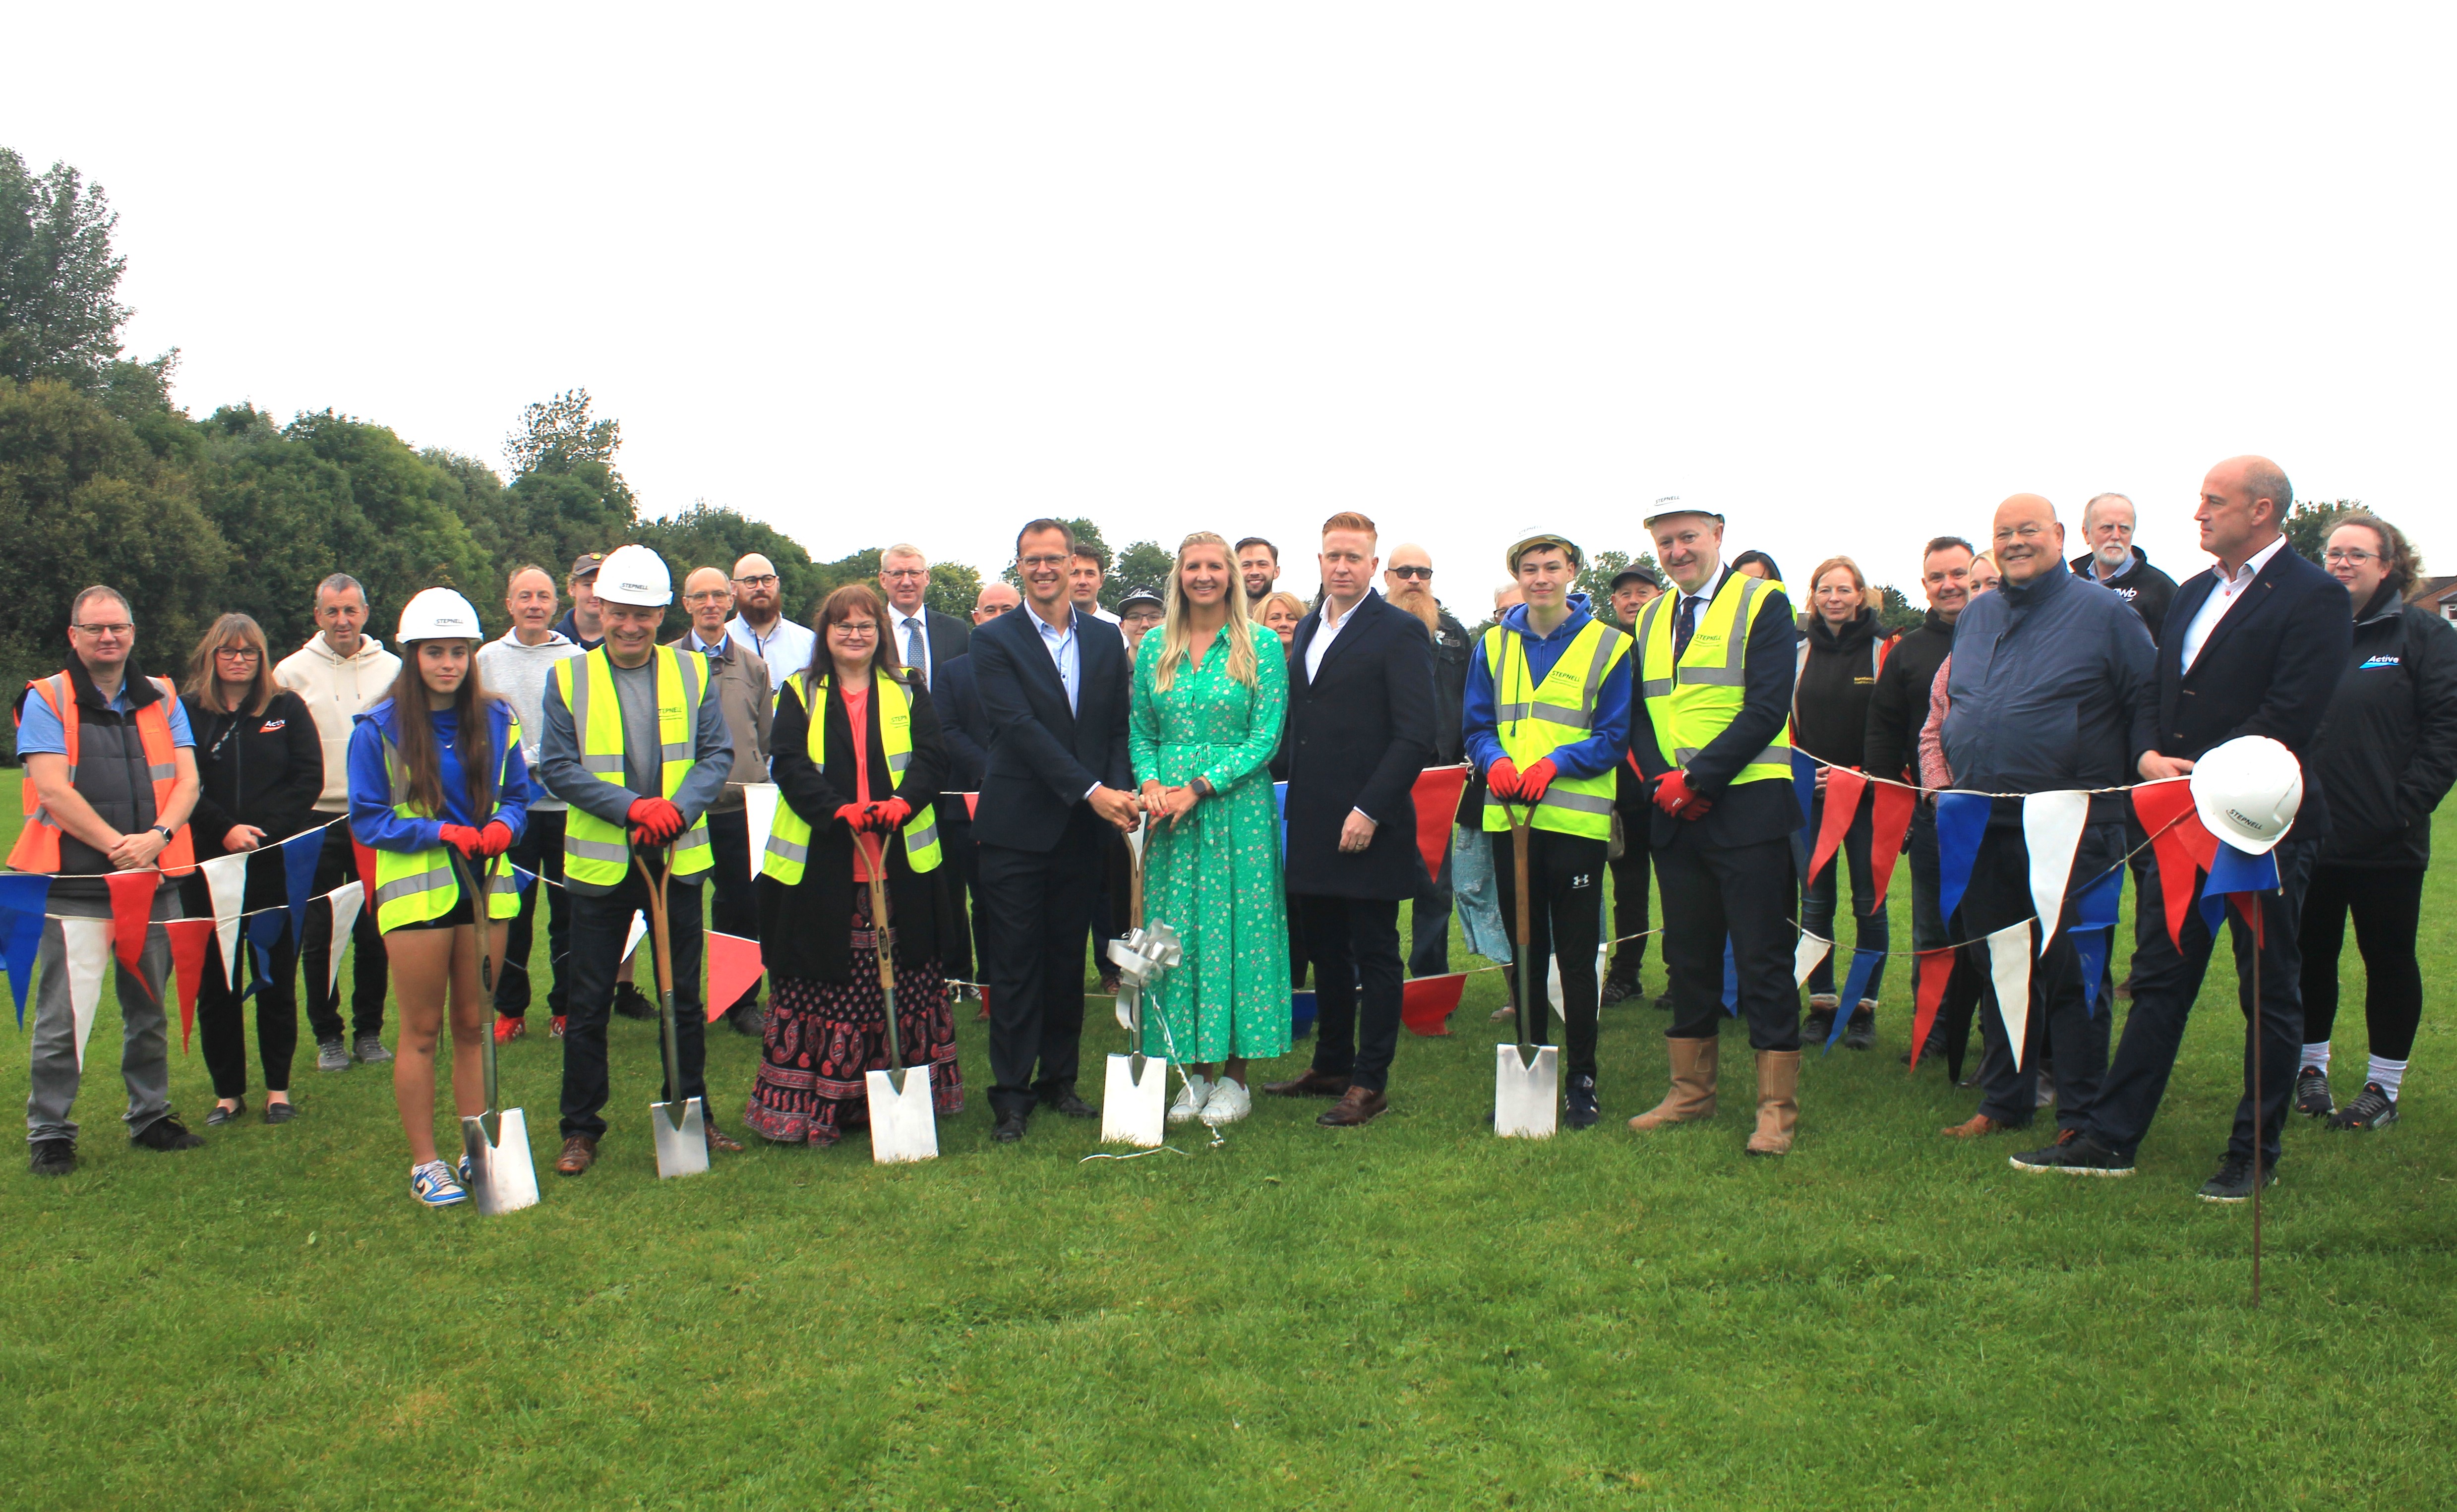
[[1410, 1315]]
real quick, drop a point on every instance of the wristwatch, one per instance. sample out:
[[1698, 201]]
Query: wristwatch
[[167, 833]]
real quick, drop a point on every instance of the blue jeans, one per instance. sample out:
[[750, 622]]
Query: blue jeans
[[1871, 931]]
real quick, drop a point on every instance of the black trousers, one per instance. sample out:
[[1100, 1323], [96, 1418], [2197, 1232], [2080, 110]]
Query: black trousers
[[2060, 1022], [2388, 905], [334, 866], [1355, 942], [1113, 903], [1629, 907], [1818, 899], [970, 955], [733, 906], [539, 851], [2165, 982], [1742, 891], [1565, 884], [599, 924], [1036, 908], [221, 1019]]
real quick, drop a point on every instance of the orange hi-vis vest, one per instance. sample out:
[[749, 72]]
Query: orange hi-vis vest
[[38, 845]]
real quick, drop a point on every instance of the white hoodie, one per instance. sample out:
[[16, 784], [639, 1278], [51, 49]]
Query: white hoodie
[[336, 690], [517, 674]]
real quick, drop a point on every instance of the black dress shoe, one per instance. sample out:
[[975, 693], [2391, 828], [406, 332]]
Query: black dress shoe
[[631, 1002], [221, 1114], [281, 1111], [167, 1133], [1072, 1106], [1009, 1127]]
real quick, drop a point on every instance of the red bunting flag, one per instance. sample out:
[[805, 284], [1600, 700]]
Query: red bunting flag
[[1437, 796], [1892, 809], [2166, 810], [132, 913], [2247, 905], [1843, 786], [733, 965], [190, 939], [1934, 968], [971, 805], [1426, 1003]]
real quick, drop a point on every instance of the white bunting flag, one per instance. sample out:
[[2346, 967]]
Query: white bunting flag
[[346, 901], [2052, 828], [226, 884], [760, 810], [2009, 960], [639, 929], [1804, 960], [88, 955]]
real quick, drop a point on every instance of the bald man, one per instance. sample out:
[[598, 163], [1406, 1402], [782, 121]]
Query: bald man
[[2051, 688], [1407, 583]]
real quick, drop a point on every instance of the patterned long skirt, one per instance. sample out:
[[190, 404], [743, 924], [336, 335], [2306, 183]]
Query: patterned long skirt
[[822, 1036]]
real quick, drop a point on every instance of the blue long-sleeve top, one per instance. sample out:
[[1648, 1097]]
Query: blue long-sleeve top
[[1602, 747], [372, 819]]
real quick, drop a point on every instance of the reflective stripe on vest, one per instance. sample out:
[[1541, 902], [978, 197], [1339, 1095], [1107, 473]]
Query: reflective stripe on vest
[[788, 856], [596, 852], [38, 843], [1689, 704], [417, 887], [1534, 723]]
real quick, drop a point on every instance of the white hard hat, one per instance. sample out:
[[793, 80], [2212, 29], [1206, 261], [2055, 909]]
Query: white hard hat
[[439, 614], [2247, 791], [636, 576]]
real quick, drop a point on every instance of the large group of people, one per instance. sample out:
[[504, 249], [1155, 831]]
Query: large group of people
[[1006, 784]]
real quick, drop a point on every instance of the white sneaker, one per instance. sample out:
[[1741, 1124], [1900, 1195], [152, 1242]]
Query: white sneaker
[[1228, 1103], [1190, 1099]]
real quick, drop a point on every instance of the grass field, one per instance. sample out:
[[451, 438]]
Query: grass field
[[1409, 1314]]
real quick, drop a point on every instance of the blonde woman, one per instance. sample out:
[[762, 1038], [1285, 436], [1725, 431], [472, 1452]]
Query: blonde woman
[[1281, 613], [1206, 719]]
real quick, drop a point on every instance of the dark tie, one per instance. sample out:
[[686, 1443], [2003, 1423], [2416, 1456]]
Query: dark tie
[[1684, 624]]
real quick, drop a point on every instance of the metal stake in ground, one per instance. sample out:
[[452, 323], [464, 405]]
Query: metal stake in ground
[[680, 1126], [1134, 1093], [2258, 1173], [1526, 1078], [902, 1124], [495, 1144]]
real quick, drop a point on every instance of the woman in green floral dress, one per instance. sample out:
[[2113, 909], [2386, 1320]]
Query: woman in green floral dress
[[1208, 701]]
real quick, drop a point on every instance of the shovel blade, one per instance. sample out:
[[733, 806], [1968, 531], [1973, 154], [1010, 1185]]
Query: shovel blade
[[1526, 1095], [503, 1178], [1134, 1109], [902, 1126], [682, 1136]]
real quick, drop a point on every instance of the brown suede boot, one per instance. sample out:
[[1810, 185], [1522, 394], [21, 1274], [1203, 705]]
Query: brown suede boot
[[1692, 1096], [1777, 1101]]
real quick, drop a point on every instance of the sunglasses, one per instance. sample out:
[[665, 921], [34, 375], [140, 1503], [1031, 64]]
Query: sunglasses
[[1417, 574]]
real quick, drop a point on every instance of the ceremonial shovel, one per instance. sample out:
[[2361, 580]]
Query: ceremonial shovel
[[902, 1124], [1134, 1097], [1526, 1078], [681, 1128], [495, 1144]]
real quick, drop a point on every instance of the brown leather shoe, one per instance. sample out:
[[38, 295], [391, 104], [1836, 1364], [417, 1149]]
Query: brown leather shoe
[[1355, 1107], [1778, 1102], [1692, 1096], [1979, 1126], [579, 1153], [719, 1140], [1313, 1084]]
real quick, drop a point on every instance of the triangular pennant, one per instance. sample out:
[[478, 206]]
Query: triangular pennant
[[971, 805], [2052, 825], [1280, 801], [1437, 796], [226, 885], [2161, 804], [1731, 980], [2009, 960], [131, 914], [347, 900], [2178, 877], [1806, 954], [1933, 969], [300, 854], [734, 968], [190, 939], [2096, 901], [1302, 1009], [1804, 781], [1856, 987], [263, 933], [21, 896], [1890, 813], [2232, 871], [1425, 1003], [2213, 914], [1843, 789], [631, 941], [523, 878], [86, 955], [2091, 943], [759, 818], [1961, 819]]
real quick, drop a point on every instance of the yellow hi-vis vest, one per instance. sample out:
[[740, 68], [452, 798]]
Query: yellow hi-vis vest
[[1691, 703], [413, 887], [1533, 722], [789, 841], [598, 853]]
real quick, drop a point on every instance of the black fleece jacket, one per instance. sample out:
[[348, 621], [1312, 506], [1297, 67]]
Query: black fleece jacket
[[2387, 750], [1899, 706], [1838, 678], [263, 769], [2141, 586]]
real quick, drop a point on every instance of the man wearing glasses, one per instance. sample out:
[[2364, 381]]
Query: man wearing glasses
[[748, 699], [2119, 566], [926, 638], [760, 626], [111, 776], [1407, 583]]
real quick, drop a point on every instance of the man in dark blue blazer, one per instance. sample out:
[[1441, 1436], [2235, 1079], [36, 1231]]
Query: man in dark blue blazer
[[958, 699], [1053, 694], [1360, 727], [2254, 646]]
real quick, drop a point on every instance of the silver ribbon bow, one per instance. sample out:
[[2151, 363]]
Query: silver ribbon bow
[[1143, 958]]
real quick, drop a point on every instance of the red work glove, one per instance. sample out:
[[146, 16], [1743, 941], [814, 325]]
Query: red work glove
[[1533, 782], [1673, 796], [495, 839], [1501, 779], [654, 821], [888, 817], [854, 815], [464, 839]]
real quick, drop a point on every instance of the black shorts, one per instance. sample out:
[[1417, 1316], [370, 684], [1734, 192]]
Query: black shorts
[[458, 914]]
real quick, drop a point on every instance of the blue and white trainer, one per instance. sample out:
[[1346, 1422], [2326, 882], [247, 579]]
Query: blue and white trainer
[[432, 1184]]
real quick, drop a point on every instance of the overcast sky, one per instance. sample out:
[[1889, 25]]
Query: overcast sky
[[1849, 276]]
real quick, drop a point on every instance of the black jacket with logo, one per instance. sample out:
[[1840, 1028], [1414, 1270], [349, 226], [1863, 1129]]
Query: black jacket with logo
[[2141, 586], [264, 769], [2387, 750], [1838, 678], [1898, 709]]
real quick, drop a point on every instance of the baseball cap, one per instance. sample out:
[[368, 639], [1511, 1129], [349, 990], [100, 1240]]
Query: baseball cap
[[1151, 596], [586, 563]]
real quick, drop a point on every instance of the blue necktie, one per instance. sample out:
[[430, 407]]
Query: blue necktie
[[913, 647], [1684, 624]]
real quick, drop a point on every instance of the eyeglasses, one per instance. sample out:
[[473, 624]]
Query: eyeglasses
[[765, 579], [904, 572], [707, 596], [1045, 561], [238, 653], [1419, 574], [856, 628], [121, 629], [2349, 555]]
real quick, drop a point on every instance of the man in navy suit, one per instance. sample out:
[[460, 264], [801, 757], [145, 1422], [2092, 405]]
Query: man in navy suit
[[958, 699], [1053, 692], [1360, 729], [2254, 646]]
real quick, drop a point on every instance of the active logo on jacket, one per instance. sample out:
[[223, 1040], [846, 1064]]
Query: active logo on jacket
[[2378, 661]]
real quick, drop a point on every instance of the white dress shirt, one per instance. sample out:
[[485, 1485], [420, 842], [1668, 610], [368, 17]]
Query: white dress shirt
[[787, 647], [1327, 631], [1065, 654], [2222, 599]]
